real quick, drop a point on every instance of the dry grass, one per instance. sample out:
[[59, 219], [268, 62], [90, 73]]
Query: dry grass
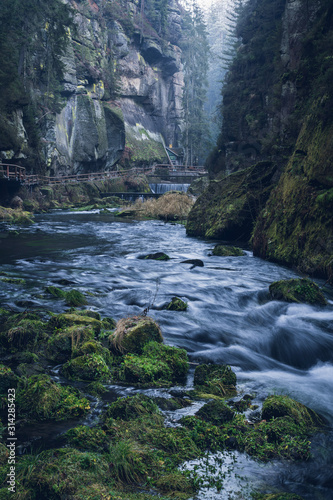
[[170, 206]]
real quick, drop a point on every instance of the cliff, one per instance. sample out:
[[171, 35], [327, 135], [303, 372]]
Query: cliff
[[277, 112], [116, 96]]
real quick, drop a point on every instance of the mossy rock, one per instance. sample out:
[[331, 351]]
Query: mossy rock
[[224, 251], [297, 290], [217, 412], [96, 388], [282, 406], [132, 334], [87, 367], [86, 438], [93, 347], [176, 304], [55, 292], [40, 398], [61, 321], [109, 323], [86, 312], [25, 332], [155, 256], [62, 345], [75, 298], [278, 496], [132, 408], [8, 379], [175, 358], [219, 380], [172, 404], [145, 370]]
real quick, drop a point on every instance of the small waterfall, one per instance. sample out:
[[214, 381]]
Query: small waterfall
[[161, 188]]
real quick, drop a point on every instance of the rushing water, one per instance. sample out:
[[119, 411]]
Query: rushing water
[[273, 347], [164, 187]]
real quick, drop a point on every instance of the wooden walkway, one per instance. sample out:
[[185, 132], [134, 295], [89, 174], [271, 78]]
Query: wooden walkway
[[18, 173]]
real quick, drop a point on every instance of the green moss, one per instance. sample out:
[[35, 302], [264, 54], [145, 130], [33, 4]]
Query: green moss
[[175, 358], [86, 438], [50, 400], [217, 412], [283, 406], [87, 367], [61, 321], [26, 332], [132, 334], [214, 379], [13, 281], [132, 407], [68, 341], [75, 298], [297, 290], [176, 304], [156, 256], [223, 251], [56, 292], [8, 379], [144, 370]]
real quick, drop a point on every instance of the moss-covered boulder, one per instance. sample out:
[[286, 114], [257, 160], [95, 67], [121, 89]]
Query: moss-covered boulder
[[227, 209], [87, 367], [225, 251], [159, 365], [21, 330], [132, 334], [8, 379], [219, 380], [283, 406], [63, 344], [61, 321], [297, 290], [217, 412], [132, 407], [86, 438], [75, 298], [55, 292], [40, 398], [155, 256], [176, 304]]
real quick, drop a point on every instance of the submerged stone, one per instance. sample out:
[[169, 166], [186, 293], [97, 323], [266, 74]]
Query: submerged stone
[[176, 304], [297, 290], [224, 251], [155, 256], [132, 334]]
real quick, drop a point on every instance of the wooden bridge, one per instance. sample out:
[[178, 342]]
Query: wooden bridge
[[17, 173]]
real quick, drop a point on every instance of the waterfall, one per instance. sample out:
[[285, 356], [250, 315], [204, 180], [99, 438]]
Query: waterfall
[[161, 188]]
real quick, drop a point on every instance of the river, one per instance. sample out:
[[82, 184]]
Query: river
[[273, 347]]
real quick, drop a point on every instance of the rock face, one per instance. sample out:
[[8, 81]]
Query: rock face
[[120, 94], [278, 103]]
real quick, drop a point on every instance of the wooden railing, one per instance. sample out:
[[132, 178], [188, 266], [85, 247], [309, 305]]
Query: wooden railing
[[16, 172]]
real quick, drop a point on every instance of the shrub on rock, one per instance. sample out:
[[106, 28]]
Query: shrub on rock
[[297, 290], [132, 334]]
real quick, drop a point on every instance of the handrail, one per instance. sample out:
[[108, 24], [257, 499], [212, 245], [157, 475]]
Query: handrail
[[18, 173]]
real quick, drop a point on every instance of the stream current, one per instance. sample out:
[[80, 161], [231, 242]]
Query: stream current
[[273, 347]]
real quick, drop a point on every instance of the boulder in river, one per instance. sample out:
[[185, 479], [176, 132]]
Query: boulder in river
[[176, 304], [87, 367], [297, 290], [194, 262], [217, 412], [226, 250], [155, 256], [276, 406], [132, 334]]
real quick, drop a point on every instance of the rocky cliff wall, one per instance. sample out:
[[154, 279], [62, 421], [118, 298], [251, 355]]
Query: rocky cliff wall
[[120, 95], [278, 105]]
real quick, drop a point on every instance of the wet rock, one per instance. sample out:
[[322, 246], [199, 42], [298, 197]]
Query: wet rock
[[172, 404], [155, 256], [61, 346], [73, 318], [132, 334], [194, 262], [224, 251], [297, 290], [176, 304], [8, 379]]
